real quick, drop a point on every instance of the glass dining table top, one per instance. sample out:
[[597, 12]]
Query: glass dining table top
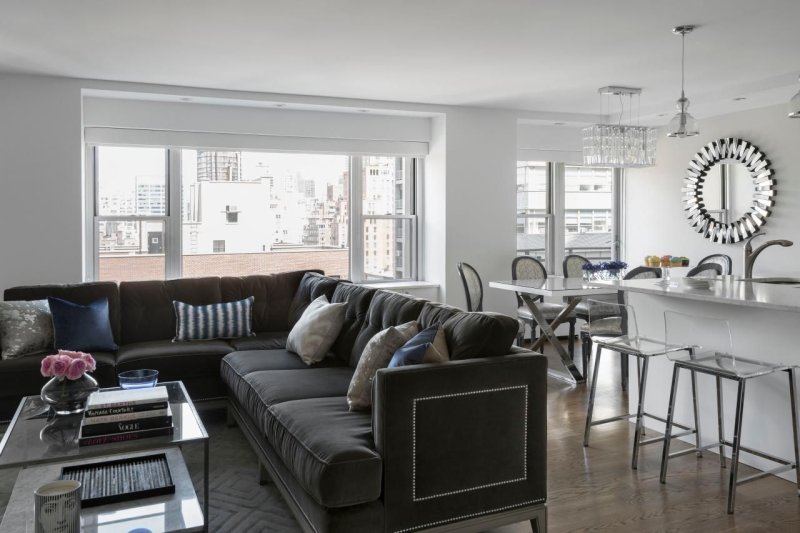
[[552, 286], [35, 435]]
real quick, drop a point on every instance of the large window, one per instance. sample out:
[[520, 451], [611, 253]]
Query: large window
[[588, 212], [563, 210], [191, 212]]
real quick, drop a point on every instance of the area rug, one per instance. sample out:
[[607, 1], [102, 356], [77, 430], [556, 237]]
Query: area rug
[[238, 503]]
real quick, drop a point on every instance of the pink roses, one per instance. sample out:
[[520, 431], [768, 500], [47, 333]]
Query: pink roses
[[68, 364]]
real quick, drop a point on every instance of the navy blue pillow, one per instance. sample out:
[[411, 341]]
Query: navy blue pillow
[[413, 351], [83, 328]]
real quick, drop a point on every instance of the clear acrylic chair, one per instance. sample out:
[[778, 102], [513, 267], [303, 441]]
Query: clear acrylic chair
[[710, 351], [613, 327]]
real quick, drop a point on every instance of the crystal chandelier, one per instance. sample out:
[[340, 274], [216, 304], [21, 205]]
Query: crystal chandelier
[[619, 145], [683, 124]]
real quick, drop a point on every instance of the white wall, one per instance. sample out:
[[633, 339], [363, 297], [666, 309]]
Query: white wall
[[656, 224], [40, 181], [468, 193]]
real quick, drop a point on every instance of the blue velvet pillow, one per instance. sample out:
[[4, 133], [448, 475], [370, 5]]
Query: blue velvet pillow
[[413, 351], [84, 328]]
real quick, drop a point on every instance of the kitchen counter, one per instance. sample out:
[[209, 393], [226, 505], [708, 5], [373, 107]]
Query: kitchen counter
[[729, 290]]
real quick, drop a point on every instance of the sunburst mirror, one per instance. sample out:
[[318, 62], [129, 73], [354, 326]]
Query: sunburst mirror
[[729, 190]]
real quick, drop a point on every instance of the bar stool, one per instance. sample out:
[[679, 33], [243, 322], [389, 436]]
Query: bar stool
[[620, 333], [710, 352]]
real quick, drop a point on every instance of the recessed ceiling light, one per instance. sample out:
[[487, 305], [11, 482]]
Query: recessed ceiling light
[[662, 114], [186, 99], [558, 123], [739, 98], [363, 110], [280, 105]]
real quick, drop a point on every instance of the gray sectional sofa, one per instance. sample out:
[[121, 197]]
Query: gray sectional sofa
[[458, 446]]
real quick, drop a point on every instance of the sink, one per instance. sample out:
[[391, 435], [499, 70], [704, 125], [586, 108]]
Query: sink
[[773, 281]]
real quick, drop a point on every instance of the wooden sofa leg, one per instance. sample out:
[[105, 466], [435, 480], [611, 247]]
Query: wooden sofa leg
[[539, 523], [263, 475]]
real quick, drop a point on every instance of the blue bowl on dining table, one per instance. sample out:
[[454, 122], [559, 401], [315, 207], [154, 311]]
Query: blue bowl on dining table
[[138, 379]]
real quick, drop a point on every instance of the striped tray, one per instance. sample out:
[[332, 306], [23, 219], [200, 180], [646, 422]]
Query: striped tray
[[122, 479]]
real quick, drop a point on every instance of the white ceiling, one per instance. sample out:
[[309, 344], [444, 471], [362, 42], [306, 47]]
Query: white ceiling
[[532, 55]]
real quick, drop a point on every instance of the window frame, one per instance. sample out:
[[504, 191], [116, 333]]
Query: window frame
[[172, 219]]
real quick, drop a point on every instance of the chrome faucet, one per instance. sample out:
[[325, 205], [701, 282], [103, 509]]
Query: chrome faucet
[[750, 255]]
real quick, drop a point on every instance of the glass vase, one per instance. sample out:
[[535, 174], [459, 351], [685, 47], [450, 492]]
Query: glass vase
[[68, 396]]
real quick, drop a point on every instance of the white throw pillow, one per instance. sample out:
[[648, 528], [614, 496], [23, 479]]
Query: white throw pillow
[[313, 335], [376, 355]]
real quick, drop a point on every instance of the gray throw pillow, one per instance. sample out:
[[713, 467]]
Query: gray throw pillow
[[313, 335], [376, 355], [25, 327]]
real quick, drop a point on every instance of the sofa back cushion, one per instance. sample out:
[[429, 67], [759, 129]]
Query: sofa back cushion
[[358, 299], [147, 310], [386, 309], [436, 313], [273, 293], [312, 286], [479, 335], [80, 293]]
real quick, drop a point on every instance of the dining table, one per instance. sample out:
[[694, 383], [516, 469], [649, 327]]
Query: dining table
[[572, 291]]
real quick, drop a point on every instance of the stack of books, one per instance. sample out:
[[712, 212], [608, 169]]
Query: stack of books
[[125, 415]]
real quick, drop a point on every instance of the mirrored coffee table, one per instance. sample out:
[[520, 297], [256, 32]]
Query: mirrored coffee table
[[172, 513], [35, 436]]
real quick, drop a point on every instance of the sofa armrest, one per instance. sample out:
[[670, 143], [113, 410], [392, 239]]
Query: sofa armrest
[[461, 440]]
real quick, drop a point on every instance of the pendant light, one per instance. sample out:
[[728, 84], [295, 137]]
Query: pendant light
[[683, 124], [794, 105]]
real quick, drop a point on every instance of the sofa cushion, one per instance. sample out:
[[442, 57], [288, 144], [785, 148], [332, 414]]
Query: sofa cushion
[[273, 294], [237, 365], [312, 286], [270, 387], [421, 348], [329, 450], [81, 293], [148, 313], [25, 327], [358, 299], [436, 313], [266, 340], [83, 328], [386, 309], [174, 360], [480, 334]]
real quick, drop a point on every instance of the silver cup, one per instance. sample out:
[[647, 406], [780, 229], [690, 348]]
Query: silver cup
[[57, 507]]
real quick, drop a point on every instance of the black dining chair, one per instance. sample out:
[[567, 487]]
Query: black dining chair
[[473, 287], [724, 261], [705, 270]]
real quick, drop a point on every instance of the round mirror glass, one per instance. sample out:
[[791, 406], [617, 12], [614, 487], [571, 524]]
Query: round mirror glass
[[728, 190]]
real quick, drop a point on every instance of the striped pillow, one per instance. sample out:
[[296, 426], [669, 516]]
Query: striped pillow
[[216, 321]]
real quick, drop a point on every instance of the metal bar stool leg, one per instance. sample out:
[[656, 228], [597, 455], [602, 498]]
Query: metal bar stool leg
[[668, 429], [737, 442], [591, 395], [637, 436], [623, 364], [720, 424], [697, 438], [793, 399]]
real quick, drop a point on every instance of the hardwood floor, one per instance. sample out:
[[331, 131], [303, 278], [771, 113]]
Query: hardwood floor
[[595, 489]]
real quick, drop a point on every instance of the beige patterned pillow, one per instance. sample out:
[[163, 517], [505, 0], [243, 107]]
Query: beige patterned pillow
[[376, 355], [25, 327]]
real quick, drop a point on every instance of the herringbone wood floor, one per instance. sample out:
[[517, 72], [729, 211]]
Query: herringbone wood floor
[[590, 489]]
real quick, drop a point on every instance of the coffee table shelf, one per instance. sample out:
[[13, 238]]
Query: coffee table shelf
[[36, 437]]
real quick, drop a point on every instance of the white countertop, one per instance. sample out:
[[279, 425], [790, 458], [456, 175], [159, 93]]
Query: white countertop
[[724, 289]]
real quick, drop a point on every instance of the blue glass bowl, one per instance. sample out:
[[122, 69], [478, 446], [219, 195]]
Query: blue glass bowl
[[138, 379]]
